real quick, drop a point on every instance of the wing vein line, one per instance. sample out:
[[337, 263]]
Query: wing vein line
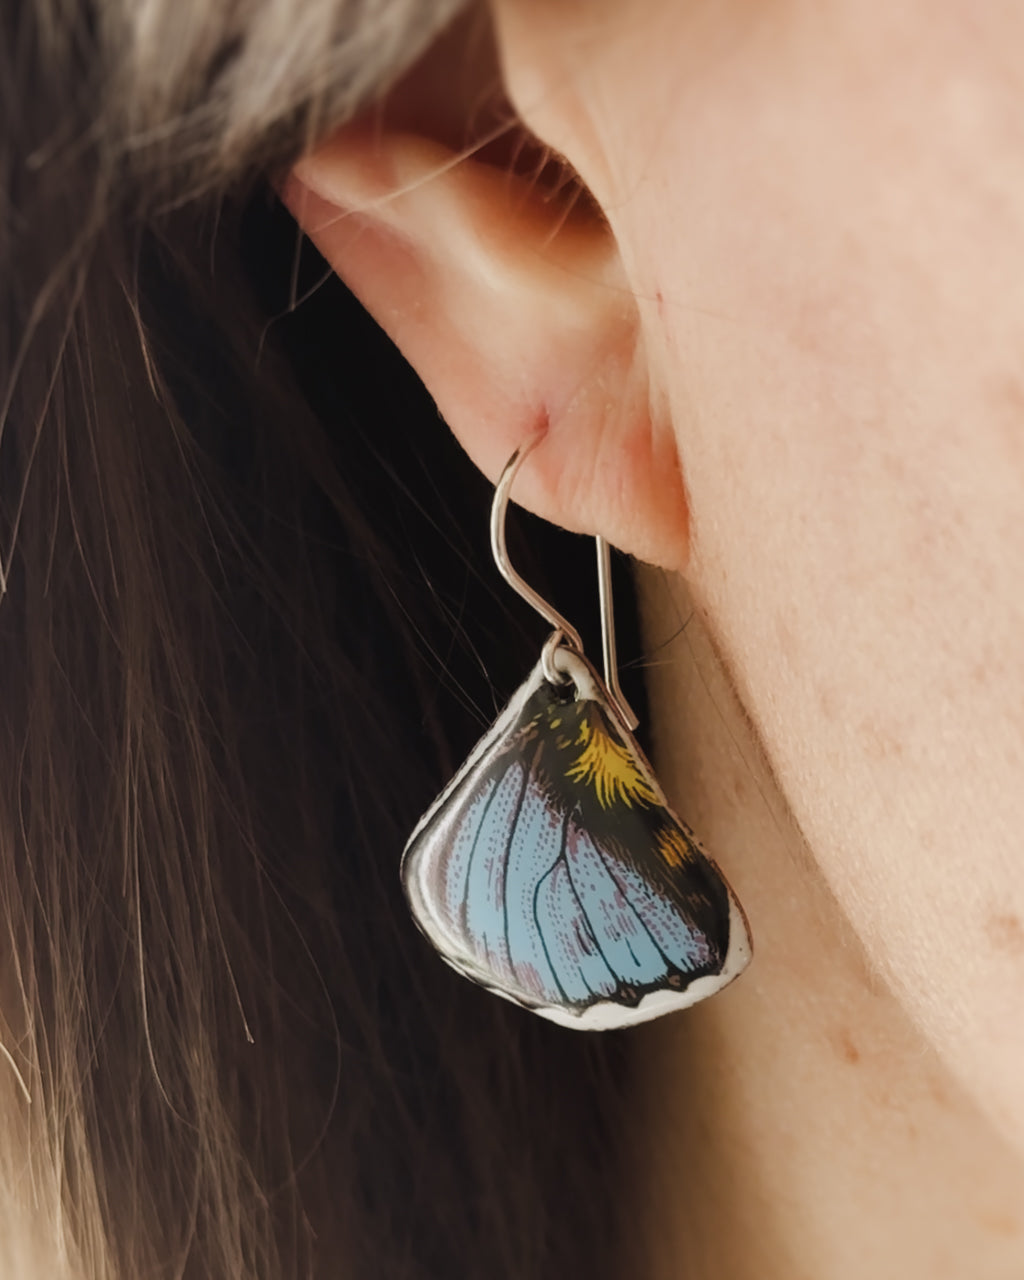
[[672, 968], [464, 896], [586, 919], [504, 866], [536, 918]]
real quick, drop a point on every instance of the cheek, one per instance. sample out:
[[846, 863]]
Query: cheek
[[826, 225]]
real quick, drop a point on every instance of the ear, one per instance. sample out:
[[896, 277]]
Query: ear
[[514, 309]]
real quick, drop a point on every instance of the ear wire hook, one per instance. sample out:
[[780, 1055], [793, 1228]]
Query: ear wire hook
[[611, 660], [565, 632]]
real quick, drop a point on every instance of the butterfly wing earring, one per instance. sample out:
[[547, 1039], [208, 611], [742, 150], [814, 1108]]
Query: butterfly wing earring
[[552, 869]]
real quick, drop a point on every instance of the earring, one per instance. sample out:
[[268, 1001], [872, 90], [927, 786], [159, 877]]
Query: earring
[[551, 869]]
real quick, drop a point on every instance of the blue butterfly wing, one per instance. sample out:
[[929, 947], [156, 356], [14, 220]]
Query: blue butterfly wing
[[483, 906], [528, 885], [581, 970], [510, 902], [534, 850], [621, 933], [533, 901], [452, 851], [684, 947]]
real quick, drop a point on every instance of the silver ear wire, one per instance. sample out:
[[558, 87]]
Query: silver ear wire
[[500, 550], [565, 633], [611, 660]]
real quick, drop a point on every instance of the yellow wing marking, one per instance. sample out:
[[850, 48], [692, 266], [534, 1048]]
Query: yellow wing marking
[[609, 769], [673, 846]]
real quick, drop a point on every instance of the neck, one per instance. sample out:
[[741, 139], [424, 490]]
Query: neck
[[797, 1124]]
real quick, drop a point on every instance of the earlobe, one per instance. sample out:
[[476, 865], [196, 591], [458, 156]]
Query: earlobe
[[514, 310]]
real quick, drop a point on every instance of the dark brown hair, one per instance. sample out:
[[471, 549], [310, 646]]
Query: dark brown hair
[[239, 631]]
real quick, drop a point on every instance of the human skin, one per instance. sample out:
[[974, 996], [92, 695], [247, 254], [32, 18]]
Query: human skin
[[830, 207], [785, 362]]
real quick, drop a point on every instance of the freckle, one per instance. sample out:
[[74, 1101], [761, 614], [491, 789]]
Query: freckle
[[939, 1092], [1006, 931], [740, 789], [879, 743], [1008, 401], [848, 1051], [991, 670], [827, 703], [1000, 1224]]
